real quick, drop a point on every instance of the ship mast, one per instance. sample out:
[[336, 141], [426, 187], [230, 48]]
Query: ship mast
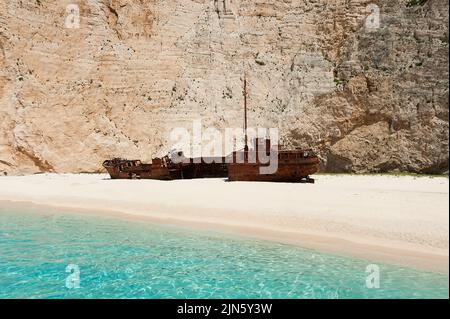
[[245, 115]]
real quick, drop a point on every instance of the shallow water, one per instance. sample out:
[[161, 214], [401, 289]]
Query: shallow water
[[129, 259]]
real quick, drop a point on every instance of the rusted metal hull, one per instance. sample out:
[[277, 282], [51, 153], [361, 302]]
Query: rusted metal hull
[[161, 169], [285, 173], [291, 165], [200, 170], [292, 170], [161, 174]]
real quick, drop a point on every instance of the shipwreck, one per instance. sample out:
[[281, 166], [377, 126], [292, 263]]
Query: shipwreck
[[294, 165]]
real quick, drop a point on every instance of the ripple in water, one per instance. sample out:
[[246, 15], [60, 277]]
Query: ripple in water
[[124, 259]]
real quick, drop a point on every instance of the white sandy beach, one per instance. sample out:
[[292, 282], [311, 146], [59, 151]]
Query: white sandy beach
[[403, 220]]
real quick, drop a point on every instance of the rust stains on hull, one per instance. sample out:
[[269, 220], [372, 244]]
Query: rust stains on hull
[[298, 169], [291, 165], [166, 169]]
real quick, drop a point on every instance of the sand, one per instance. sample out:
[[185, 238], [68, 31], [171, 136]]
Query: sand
[[402, 220]]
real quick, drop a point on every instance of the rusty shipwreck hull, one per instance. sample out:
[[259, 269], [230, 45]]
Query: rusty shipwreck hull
[[165, 169], [134, 169], [286, 172], [291, 166]]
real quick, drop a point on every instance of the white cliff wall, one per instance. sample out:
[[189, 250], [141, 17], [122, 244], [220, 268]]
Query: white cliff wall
[[367, 99]]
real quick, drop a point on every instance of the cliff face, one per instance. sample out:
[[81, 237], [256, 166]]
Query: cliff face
[[368, 98]]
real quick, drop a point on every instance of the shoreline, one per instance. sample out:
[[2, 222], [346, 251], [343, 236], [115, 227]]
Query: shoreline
[[322, 243], [421, 243]]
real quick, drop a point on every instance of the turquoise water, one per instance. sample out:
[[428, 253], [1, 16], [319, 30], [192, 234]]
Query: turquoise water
[[128, 259]]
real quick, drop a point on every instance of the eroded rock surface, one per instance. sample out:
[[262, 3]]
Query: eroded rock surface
[[367, 98]]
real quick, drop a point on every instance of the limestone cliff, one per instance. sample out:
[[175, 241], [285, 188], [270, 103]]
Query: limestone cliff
[[369, 94]]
